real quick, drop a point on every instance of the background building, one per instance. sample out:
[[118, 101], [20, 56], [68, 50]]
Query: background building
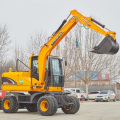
[[97, 82]]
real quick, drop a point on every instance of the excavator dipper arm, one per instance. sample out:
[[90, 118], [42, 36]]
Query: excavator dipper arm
[[90, 23]]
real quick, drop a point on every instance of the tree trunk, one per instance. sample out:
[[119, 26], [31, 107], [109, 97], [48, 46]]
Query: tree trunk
[[86, 87]]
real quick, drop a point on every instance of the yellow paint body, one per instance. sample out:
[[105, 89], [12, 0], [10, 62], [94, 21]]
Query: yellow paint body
[[43, 55], [26, 85]]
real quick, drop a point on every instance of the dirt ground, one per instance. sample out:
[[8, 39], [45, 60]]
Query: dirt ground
[[89, 111]]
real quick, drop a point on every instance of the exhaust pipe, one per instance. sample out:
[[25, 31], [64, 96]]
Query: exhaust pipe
[[107, 46]]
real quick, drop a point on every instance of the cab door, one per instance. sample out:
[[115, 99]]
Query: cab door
[[57, 78], [34, 67]]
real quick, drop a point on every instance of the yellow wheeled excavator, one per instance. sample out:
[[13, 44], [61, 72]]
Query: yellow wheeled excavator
[[45, 79]]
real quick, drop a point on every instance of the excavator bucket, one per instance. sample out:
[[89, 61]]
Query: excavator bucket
[[107, 46]]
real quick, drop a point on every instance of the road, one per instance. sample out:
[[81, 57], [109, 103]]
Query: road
[[88, 111]]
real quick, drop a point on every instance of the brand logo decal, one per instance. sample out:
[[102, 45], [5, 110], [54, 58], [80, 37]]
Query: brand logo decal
[[21, 81], [84, 19]]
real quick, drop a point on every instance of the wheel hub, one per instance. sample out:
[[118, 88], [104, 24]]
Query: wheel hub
[[7, 104], [44, 105]]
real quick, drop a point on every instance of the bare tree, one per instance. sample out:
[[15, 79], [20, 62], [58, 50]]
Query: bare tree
[[4, 48], [84, 65], [20, 55], [35, 43]]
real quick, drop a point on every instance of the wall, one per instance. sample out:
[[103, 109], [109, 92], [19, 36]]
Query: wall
[[92, 88]]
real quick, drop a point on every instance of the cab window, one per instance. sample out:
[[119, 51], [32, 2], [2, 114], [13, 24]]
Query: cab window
[[34, 62]]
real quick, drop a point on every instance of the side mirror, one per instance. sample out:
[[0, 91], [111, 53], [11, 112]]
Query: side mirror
[[65, 62], [34, 69]]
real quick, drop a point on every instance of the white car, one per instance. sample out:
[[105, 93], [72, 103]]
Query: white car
[[78, 92], [69, 93], [106, 96], [92, 95]]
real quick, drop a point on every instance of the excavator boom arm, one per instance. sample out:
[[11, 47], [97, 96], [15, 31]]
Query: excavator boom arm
[[50, 45]]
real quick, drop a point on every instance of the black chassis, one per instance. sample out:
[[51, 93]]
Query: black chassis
[[23, 99]]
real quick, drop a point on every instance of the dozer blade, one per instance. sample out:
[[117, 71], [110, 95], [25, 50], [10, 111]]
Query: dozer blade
[[107, 46]]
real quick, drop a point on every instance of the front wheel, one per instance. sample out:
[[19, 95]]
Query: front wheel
[[72, 109], [47, 105], [10, 105]]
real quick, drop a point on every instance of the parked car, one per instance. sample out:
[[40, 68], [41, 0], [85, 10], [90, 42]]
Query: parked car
[[78, 92], [92, 95], [106, 96]]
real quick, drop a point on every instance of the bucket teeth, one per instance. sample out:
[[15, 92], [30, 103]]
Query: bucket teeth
[[106, 46]]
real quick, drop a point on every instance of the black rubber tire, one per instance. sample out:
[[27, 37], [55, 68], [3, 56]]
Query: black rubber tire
[[78, 104], [74, 107], [55, 105], [52, 103], [32, 107], [13, 104]]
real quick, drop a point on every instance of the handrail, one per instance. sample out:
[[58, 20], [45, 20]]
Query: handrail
[[22, 63]]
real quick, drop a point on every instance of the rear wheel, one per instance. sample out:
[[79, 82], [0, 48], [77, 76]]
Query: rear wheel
[[47, 105], [10, 105], [31, 107], [72, 109]]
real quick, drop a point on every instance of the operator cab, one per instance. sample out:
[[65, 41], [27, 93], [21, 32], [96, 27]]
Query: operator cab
[[53, 74]]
